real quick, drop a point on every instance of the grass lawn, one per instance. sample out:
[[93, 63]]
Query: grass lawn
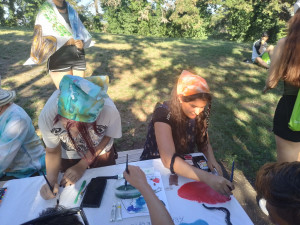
[[142, 72]]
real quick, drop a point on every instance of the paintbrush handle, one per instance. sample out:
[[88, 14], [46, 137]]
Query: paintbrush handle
[[232, 171], [51, 188], [108, 177], [127, 171]]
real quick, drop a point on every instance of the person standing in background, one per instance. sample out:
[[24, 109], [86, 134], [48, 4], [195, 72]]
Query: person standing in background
[[59, 37], [285, 66]]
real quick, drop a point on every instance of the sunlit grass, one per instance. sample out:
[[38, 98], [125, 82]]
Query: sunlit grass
[[142, 72]]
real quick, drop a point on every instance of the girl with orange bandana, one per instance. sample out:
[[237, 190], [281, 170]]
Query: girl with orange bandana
[[179, 127]]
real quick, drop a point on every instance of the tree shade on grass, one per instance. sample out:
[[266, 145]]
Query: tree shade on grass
[[143, 70]]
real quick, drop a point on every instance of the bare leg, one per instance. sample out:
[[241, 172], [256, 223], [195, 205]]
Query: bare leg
[[57, 76], [270, 50], [261, 62], [287, 151]]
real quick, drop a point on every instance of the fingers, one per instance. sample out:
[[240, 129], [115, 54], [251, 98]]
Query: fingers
[[221, 185], [125, 175], [136, 177], [219, 169], [55, 189], [216, 168], [69, 178], [227, 191], [78, 44], [46, 193], [70, 42], [228, 188]]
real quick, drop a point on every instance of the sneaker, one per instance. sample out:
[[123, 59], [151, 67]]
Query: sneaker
[[262, 204]]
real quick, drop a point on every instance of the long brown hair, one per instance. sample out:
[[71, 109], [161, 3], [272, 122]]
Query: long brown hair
[[279, 184], [83, 129], [180, 119], [288, 67]]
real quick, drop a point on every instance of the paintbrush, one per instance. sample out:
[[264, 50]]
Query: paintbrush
[[57, 200], [232, 171], [127, 171], [51, 188], [231, 176]]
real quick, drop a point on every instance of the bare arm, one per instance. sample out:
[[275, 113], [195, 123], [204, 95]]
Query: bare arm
[[53, 160], [105, 140], [273, 76], [158, 212], [211, 160], [166, 148], [262, 46], [74, 173]]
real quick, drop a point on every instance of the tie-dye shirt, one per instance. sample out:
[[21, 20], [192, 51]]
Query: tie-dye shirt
[[21, 150]]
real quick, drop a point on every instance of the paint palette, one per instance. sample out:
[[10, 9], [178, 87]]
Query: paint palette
[[126, 192], [198, 160]]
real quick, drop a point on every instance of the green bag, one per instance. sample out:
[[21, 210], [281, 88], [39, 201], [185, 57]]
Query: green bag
[[266, 58], [294, 123]]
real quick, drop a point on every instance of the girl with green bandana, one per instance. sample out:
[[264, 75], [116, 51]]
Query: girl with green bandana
[[78, 125]]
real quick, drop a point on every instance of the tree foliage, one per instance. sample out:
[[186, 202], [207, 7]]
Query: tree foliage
[[245, 20], [239, 20], [23, 13]]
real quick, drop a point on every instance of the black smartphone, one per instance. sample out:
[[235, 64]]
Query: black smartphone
[[94, 193]]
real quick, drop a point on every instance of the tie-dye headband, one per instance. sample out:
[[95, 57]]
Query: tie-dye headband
[[82, 99], [190, 84]]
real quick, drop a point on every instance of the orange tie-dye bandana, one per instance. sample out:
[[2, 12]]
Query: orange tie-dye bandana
[[190, 84]]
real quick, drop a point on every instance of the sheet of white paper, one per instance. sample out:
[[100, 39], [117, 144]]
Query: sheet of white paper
[[136, 206], [22, 201]]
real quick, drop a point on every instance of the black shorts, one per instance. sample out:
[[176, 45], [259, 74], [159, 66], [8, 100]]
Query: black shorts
[[282, 117], [67, 58]]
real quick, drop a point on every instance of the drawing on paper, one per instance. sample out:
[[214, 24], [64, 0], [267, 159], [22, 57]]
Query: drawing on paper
[[201, 192], [136, 206], [198, 222]]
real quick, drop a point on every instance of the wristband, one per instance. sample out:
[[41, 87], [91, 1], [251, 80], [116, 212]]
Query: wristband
[[172, 163]]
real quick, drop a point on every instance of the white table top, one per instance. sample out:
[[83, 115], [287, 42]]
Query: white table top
[[23, 202]]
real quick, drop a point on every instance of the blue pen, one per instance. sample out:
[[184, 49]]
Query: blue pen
[[232, 170]]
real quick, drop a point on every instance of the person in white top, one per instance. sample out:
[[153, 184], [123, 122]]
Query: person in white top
[[59, 39], [21, 151], [78, 125]]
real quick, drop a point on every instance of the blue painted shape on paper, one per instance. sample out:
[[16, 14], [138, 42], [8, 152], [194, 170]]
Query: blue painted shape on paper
[[198, 222], [140, 201], [139, 205]]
